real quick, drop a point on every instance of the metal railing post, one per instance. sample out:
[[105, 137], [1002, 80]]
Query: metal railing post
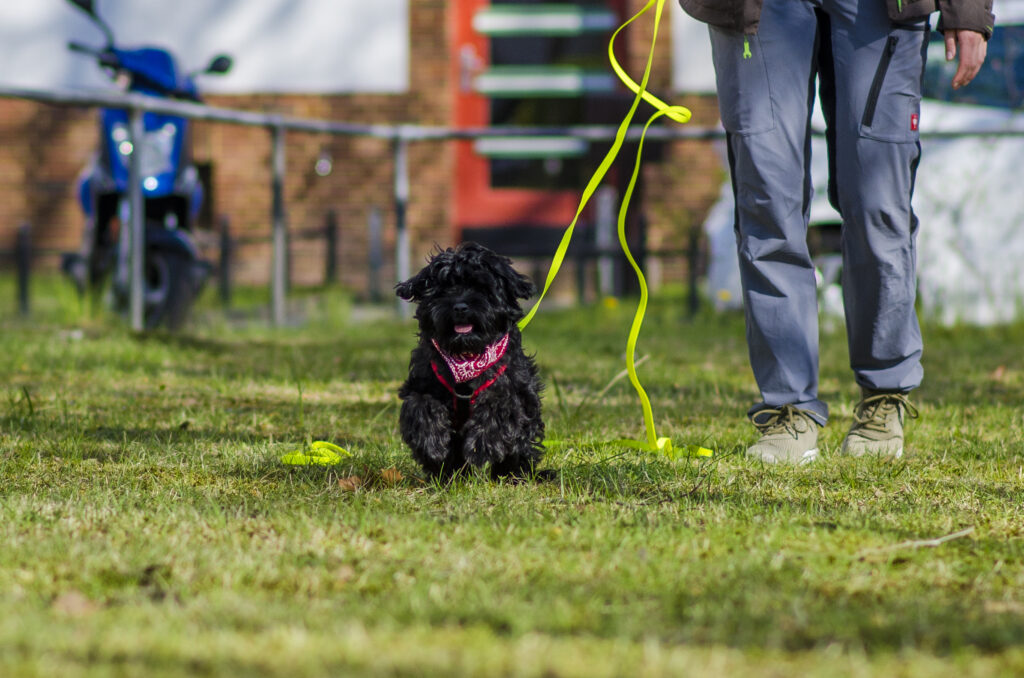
[[604, 239], [23, 260], [331, 248], [137, 134], [402, 265], [376, 253], [280, 235], [224, 267], [692, 262]]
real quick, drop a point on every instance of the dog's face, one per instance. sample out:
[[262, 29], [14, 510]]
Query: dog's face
[[467, 298]]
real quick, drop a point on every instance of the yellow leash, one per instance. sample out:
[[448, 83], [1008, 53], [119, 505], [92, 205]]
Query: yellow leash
[[322, 453], [680, 115], [677, 113]]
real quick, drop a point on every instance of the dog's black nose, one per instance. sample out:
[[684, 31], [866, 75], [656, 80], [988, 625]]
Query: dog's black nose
[[460, 308]]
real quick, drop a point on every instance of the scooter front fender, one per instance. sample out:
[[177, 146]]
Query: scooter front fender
[[173, 241]]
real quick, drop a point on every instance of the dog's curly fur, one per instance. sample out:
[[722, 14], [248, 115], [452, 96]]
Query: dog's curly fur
[[502, 427]]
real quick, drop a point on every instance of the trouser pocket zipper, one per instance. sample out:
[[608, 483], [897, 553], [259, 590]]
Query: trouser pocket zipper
[[876, 84]]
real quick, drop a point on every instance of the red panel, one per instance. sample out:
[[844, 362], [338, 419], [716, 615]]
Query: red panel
[[476, 202]]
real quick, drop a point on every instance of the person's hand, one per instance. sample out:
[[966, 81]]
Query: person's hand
[[972, 47]]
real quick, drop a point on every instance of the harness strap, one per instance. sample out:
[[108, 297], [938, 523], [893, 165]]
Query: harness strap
[[471, 398]]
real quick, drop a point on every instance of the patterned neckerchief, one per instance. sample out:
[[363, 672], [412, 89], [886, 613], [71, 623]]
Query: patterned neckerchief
[[466, 367]]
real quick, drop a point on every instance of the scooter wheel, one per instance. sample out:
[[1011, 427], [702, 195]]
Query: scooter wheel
[[169, 289]]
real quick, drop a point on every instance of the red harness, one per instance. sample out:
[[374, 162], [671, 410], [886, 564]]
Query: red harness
[[472, 397], [470, 367]]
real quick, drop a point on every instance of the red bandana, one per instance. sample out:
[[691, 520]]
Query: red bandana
[[469, 367]]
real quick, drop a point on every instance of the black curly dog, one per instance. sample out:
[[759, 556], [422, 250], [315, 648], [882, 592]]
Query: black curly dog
[[472, 396]]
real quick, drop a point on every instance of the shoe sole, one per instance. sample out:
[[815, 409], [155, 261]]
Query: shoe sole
[[898, 454], [807, 457]]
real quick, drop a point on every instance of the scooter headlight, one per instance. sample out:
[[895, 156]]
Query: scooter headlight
[[157, 148], [119, 133]]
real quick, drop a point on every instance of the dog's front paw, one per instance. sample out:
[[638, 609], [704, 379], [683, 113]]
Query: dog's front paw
[[522, 468], [480, 446], [507, 452], [425, 424]]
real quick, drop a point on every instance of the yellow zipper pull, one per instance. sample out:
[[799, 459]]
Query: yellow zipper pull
[[746, 47]]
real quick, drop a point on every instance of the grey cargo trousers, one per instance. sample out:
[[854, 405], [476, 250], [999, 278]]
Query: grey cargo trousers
[[869, 72]]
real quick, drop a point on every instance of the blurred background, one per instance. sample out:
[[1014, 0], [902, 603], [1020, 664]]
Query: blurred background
[[473, 64]]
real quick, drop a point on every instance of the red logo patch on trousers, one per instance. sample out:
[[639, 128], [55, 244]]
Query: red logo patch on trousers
[[913, 122]]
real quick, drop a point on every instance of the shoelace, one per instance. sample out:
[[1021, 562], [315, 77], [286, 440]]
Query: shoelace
[[871, 413], [781, 420]]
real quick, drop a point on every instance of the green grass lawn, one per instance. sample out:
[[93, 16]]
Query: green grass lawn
[[149, 528]]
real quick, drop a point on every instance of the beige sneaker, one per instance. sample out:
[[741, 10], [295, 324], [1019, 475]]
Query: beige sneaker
[[788, 435], [878, 425]]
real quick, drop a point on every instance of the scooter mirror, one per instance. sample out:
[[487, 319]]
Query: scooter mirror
[[84, 5], [89, 7], [220, 64]]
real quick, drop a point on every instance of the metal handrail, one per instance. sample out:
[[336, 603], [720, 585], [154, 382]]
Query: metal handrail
[[394, 132], [399, 134], [403, 131]]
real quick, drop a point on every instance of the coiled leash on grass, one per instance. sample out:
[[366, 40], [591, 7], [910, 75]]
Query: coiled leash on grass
[[679, 114], [319, 453]]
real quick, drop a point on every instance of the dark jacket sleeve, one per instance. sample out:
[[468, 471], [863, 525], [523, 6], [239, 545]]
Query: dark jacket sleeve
[[741, 16], [972, 15]]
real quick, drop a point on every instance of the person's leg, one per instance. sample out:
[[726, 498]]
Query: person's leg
[[872, 87], [765, 90]]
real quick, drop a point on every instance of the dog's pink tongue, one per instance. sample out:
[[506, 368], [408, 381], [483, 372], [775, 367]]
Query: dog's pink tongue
[[463, 329]]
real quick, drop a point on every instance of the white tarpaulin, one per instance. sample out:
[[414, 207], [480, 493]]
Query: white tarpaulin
[[282, 46], [971, 210], [692, 70]]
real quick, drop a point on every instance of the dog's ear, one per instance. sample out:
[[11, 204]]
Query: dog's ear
[[413, 288], [521, 286], [515, 284], [418, 286]]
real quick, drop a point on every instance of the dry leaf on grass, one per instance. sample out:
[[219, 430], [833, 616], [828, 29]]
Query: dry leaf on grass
[[350, 484], [1003, 607], [344, 574], [74, 604], [391, 476]]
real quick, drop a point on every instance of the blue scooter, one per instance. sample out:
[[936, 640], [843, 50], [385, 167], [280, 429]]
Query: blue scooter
[[174, 273]]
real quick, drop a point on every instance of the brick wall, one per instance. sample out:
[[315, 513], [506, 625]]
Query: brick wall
[[43, 148]]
